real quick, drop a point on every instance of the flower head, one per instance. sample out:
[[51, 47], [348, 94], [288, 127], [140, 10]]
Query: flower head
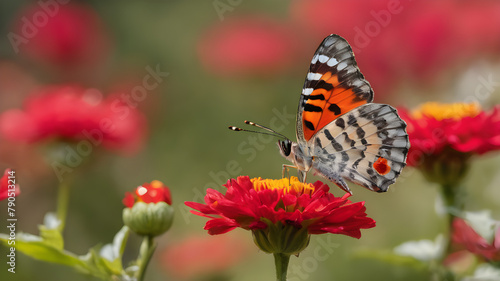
[[273, 208], [8, 186], [69, 36], [75, 113], [444, 136], [416, 36], [149, 210], [247, 45]]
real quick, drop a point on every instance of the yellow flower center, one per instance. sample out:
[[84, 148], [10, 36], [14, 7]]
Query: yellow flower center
[[285, 184], [440, 111]]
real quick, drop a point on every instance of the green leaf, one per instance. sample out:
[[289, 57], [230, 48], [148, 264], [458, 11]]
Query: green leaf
[[35, 247], [50, 231]]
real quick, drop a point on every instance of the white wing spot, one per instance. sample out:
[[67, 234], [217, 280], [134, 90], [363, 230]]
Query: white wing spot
[[313, 76], [332, 62], [323, 58], [307, 91], [341, 66], [314, 59]]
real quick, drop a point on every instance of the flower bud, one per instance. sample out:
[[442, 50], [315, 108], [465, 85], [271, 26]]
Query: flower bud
[[149, 210]]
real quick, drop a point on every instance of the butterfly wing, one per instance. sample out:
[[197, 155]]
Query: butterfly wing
[[367, 146], [333, 86]]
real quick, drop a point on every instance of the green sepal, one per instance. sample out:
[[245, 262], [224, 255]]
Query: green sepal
[[279, 238], [149, 218]]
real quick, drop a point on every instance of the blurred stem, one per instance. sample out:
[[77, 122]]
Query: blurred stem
[[453, 206], [281, 262], [62, 203], [146, 252]]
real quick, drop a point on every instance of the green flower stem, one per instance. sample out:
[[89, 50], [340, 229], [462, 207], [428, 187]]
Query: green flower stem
[[281, 262], [146, 252], [453, 206], [62, 203]]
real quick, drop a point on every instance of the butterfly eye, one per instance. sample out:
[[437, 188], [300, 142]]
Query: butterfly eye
[[285, 147]]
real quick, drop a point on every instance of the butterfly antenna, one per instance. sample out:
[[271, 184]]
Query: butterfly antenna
[[270, 132], [264, 128]]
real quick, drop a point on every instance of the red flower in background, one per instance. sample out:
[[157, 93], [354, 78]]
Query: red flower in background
[[462, 128], [6, 184], [203, 256], [466, 236], [75, 113], [253, 203], [66, 35], [153, 192], [405, 39], [248, 45]]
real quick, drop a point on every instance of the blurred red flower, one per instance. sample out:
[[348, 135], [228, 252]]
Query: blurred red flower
[[466, 236], [253, 203], [153, 192], [461, 129], [75, 113], [405, 39], [67, 35], [6, 184], [247, 45], [203, 256]]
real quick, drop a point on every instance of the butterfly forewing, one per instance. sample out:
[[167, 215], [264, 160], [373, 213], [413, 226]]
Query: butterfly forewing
[[333, 86]]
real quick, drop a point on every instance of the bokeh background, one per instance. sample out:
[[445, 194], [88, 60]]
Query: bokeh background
[[228, 61]]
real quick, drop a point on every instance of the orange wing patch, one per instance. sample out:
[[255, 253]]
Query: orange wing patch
[[327, 102], [381, 166]]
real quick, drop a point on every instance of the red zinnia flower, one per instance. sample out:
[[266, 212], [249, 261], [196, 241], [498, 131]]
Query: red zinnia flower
[[409, 39], [153, 192], [465, 235], [6, 185], [75, 113], [249, 45], [254, 204], [69, 35], [461, 129]]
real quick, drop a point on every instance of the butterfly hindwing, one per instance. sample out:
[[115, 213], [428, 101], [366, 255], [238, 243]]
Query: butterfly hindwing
[[333, 86], [367, 146]]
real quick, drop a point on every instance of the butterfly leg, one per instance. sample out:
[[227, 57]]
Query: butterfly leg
[[302, 175], [285, 168]]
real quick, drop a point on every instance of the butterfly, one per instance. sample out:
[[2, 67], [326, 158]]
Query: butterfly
[[341, 134]]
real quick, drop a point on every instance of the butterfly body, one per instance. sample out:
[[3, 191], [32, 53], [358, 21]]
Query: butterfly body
[[341, 134]]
